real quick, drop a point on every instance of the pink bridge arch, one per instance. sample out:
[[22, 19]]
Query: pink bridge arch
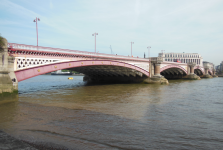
[[210, 71], [173, 66], [197, 67], [35, 71]]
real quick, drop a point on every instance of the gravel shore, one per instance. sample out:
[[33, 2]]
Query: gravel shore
[[10, 143]]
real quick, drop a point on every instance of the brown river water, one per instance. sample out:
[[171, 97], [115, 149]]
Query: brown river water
[[70, 113]]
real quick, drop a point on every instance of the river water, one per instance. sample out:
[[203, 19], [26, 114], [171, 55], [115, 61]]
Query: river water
[[70, 113]]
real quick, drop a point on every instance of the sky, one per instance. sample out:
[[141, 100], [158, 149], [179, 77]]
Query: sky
[[190, 26]]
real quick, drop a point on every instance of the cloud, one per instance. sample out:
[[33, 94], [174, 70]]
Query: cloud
[[51, 4], [173, 25]]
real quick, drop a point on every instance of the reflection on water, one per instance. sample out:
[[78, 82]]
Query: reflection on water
[[52, 109]]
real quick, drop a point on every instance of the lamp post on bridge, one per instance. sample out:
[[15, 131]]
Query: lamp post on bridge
[[94, 34], [163, 51], [148, 50], [36, 20], [131, 48]]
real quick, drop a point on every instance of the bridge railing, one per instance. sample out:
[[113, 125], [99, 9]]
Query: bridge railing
[[68, 51]]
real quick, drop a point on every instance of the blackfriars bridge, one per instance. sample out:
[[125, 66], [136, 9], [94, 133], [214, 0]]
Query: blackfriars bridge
[[20, 62]]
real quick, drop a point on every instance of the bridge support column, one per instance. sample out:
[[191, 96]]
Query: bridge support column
[[156, 78], [157, 70], [191, 69], [190, 72], [6, 68], [206, 70]]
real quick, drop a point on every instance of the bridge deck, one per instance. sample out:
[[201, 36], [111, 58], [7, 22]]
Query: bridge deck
[[41, 49]]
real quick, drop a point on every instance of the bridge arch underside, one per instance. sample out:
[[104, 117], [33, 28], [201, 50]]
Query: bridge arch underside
[[97, 70], [110, 74], [198, 72], [173, 73]]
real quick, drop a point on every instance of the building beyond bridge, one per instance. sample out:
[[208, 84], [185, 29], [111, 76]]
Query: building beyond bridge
[[219, 68], [182, 57]]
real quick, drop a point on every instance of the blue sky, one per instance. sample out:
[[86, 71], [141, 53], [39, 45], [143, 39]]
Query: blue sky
[[190, 26]]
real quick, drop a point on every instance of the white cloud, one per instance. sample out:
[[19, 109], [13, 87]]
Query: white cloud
[[172, 25]]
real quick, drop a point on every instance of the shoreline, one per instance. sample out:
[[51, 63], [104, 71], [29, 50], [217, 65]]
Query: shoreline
[[7, 142]]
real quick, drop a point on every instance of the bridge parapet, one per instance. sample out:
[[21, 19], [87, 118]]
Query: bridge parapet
[[206, 65], [191, 64], [59, 51], [156, 60]]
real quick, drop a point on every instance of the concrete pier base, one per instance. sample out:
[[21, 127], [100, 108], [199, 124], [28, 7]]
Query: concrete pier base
[[6, 84], [146, 80], [156, 80], [214, 76], [191, 77], [206, 76]]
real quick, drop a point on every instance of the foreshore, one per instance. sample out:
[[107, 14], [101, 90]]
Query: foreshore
[[220, 75], [8, 142]]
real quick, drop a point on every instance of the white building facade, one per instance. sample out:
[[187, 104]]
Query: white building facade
[[182, 57]]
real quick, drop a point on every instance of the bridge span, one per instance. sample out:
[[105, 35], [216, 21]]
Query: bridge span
[[20, 62]]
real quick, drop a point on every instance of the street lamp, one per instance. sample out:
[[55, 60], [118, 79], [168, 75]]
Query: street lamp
[[131, 48], [148, 50], [94, 34], [36, 20]]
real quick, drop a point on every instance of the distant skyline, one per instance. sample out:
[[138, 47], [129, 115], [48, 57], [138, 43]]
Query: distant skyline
[[192, 26]]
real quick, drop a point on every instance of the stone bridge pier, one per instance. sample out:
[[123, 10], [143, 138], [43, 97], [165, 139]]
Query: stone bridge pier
[[155, 76], [8, 81], [214, 71], [206, 68], [190, 72], [207, 75]]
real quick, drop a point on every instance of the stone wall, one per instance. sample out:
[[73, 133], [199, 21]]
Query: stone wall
[[7, 70]]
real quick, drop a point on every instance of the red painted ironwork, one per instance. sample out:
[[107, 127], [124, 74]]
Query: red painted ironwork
[[199, 68], [173, 66], [40, 49], [35, 71]]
